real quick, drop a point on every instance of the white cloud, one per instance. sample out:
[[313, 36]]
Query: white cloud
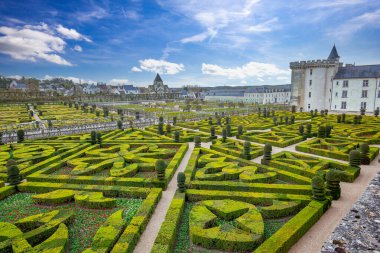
[[96, 12], [17, 77], [283, 78], [200, 37], [35, 42], [72, 78], [71, 33], [324, 4], [118, 81], [355, 24], [161, 66], [251, 69], [32, 43], [220, 18], [136, 69], [243, 82], [78, 48], [260, 79], [130, 14], [266, 26]]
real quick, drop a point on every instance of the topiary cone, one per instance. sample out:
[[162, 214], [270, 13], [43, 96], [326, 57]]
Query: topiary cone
[[355, 158], [318, 188], [181, 178], [160, 169]]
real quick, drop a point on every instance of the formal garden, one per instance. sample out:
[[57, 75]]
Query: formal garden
[[242, 183]]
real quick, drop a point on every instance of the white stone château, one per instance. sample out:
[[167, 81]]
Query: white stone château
[[263, 94], [327, 84]]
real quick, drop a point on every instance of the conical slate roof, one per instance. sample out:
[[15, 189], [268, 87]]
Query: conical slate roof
[[333, 54], [158, 78]]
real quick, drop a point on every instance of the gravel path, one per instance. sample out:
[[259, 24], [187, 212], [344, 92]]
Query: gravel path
[[313, 240], [148, 237]]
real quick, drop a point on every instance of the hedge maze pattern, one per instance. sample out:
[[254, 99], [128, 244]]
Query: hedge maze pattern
[[97, 195]]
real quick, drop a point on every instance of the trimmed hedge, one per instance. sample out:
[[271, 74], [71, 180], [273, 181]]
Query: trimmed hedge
[[294, 229], [166, 236]]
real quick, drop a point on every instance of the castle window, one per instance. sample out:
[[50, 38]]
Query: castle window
[[336, 94], [365, 83], [364, 93], [345, 83], [343, 105], [308, 106], [337, 82], [311, 71], [310, 82], [344, 94], [309, 94], [378, 94], [363, 105]]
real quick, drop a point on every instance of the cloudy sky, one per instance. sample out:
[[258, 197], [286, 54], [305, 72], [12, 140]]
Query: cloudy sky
[[196, 42]]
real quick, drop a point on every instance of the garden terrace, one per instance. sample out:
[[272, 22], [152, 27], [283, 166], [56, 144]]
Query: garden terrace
[[212, 170], [278, 139], [185, 135], [236, 148], [333, 148], [12, 117], [68, 225], [113, 164]]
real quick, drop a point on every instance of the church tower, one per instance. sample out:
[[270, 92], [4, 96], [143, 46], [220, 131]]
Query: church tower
[[312, 82]]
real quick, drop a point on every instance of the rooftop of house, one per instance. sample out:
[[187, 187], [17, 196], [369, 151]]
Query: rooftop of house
[[363, 71]]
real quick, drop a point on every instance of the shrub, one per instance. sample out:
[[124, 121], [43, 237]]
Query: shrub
[[286, 120], [312, 113], [174, 120], [343, 117], [20, 135], [228, 120], [160, 169], [50, 124], [212, 133], [292, 119], [364, 150], [176, 136], [281, 120], [267, 153], [333, 177], [328, 131], [355, 158], [210, 120], [119, 124], [228, 130], [168, 128], [362, 111], [160, 128], [326, 112], [13, 172], [247, 150], [224, 135], [275, 120], [376, 112], [294, 109], [98, 138], [181, 178], [308, 130], [318, 188], [137, 115], [322, 132], [93, 137], [338, 118], [240, 130], [197, 141], [301, 130]]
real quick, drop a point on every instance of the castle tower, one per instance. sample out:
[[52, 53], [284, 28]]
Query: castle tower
[[312, 82]]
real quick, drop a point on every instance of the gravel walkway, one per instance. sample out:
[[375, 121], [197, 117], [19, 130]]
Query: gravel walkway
[[148, 237], [360, 228]]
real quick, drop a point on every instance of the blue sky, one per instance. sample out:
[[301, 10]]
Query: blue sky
[[206, 43]]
